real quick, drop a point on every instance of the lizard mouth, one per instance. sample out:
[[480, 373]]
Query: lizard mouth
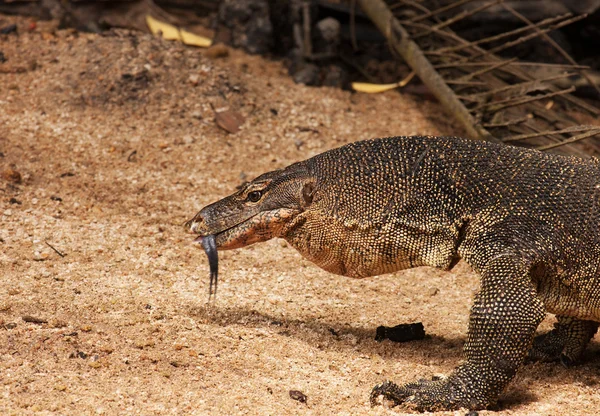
[[260, 227], [225, 238]]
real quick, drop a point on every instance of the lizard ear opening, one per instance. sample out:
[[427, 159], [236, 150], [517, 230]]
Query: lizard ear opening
[[308, 191]]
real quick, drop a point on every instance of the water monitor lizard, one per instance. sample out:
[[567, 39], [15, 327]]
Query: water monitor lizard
[[526, 221]]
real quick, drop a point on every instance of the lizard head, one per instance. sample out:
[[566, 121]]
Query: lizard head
[[262, 209]]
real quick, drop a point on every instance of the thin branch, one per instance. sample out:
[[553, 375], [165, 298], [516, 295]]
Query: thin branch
[[552, 42], [460, 16], [353, 25], [497, 65], [496, 106], [538, 33], [544, 133], [55, 250], [516, 63], [440, 10], [523, 85], [570, 140], [499, 36], [512, 122], [399, 38]]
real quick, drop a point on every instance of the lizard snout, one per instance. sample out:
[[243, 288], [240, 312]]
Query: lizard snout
[[192, 226]]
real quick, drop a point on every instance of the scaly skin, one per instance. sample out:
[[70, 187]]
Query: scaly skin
[[526, 221]]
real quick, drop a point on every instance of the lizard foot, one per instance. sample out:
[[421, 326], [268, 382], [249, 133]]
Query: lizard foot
[[565, 343], [424, 395]]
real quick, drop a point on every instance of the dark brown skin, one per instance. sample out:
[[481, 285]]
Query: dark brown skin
[[526, 221]]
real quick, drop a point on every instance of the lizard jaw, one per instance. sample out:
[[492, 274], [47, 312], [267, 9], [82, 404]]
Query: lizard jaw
[[260, 227]]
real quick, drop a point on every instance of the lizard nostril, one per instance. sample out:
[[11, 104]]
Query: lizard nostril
[[192, 224]]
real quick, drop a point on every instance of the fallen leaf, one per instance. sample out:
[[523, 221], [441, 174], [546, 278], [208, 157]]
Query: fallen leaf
[[229, 120], [170, 32], [373, 88], [166, 30], [377, 88], [192, 39]]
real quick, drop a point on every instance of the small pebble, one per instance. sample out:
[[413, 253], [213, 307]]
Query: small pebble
[[309, 75], [298, 396], [11, 175], [433, 291], [217, 51]]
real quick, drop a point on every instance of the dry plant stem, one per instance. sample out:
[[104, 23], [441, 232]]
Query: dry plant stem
[[507, 123], [55, 249], [517, 63], [499, 36], [353, 25], [306, 25], [456, 18], [570, 140], [538, 33], [409, 3], [512, 69], [440, 10], [496, 106], [553, 43], [527, 84], [490, 68], [399, 39], [543, 133]]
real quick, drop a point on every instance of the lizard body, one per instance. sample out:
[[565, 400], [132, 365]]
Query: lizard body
[[526, 221]]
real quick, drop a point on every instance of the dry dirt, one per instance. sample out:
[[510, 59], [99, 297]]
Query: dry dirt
[[115, 142]]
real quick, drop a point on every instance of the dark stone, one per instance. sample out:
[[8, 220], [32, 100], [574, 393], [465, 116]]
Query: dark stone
[[335, 76], [308, 75], [8, 29], [329, 29], [401, 333], [249, 24], [298, 396]]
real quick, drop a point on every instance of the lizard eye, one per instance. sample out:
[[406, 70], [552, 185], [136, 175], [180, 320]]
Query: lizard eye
[[254, 196]]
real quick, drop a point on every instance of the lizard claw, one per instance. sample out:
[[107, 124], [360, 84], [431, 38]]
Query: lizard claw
[[391, 394], [425, 395]]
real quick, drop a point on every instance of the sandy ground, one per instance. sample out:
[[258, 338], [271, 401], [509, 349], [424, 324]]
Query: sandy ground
[[115, 142]]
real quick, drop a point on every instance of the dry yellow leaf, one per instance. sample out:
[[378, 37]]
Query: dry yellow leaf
[[192, 39], [376, 88], [373, 88], [170, 32], [166, 30]]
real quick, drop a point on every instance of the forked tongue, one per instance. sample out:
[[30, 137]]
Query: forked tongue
[[210, 248]]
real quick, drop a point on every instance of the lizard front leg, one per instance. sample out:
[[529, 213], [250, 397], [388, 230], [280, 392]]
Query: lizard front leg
[[502, 324]]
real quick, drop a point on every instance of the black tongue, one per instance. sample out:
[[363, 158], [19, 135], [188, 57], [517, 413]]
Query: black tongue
[[210, 248]]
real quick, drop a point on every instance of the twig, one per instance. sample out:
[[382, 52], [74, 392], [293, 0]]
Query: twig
[[399, 38], [55, 250], [496, 106], [463, 15], [440, 10], [552, 42], [538, 33], [470, 83], [307, 44], [516, 63], [570, 140], [353, 25], [520, 85], [511, 122], [544, 133], [490, 68], [494, 38]]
